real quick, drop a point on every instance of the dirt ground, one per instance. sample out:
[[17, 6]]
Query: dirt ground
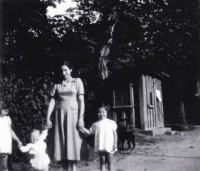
[[180, 152]]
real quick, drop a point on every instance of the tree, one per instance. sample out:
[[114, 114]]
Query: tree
[[27, 37], [151, 37], [1, 41], [142, 37]]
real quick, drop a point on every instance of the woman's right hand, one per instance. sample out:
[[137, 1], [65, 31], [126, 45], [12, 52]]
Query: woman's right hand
[[49, 123]]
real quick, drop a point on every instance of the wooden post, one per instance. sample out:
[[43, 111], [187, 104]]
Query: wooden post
[[1, 34], [124, 117], [132, 110], [157, 121], [161, 107], [198, 56], [114, 117], [143, 103], [197, 105], [113, 97], [1, 40]]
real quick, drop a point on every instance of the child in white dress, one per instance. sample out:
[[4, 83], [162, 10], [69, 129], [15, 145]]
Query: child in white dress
[[37, 148], [6, 136], [105, 138]]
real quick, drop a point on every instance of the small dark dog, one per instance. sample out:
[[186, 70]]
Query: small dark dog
[[129, 137], [125, 134]]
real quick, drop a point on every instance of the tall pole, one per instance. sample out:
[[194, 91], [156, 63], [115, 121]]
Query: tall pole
[[198, 26], [198, 57], [197, 104], [1, 47], [1, 32], [1, 38]]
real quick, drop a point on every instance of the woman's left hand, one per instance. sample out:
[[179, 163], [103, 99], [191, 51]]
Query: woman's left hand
[[81, 123], [19, 143]]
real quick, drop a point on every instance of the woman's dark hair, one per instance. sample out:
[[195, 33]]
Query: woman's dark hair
[[69, 64], [3, 105], [58, 76]]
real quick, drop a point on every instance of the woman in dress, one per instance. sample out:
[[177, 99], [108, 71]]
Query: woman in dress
[[67, 103]]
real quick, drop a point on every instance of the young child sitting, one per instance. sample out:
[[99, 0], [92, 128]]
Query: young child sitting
[[37, 148]]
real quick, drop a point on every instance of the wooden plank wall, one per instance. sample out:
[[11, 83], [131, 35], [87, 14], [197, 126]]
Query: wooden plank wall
[[151, 109]]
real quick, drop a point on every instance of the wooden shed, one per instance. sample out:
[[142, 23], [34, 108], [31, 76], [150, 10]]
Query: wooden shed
[[141, 103]]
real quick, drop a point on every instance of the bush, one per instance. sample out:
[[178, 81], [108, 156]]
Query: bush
[[28, 99]]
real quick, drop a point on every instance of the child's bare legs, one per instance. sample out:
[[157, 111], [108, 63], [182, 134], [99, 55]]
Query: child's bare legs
[[109, 161], [102, 155], [106, 158], [4, 162], [69, 165]]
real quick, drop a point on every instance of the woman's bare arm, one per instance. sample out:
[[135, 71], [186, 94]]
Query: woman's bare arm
[[85, 131], [81, 104], [49, 111]]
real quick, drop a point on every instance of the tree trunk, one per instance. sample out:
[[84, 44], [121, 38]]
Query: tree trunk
[[197, 102], [182, 116], [198, 57], [1, 42], [1, 34], [105, 51]]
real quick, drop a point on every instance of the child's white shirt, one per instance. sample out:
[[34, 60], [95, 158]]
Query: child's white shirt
[[41, 159], [104, 136], [5, 135]]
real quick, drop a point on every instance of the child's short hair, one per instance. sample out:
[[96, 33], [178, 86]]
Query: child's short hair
[[3, 105], [107, 108], [35, 131]]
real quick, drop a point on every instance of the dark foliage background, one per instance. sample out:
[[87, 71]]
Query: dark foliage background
[[151, 37]]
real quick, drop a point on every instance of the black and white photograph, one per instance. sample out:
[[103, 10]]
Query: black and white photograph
[[99, 85]]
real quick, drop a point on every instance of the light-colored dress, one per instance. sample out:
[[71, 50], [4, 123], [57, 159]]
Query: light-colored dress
[[67, 142], [40, 159], [5, 135], [104, 137]]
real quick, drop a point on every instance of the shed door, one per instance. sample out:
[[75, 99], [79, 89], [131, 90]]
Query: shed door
[[158, 103], [154, 103], [151, 111], [151, 103]]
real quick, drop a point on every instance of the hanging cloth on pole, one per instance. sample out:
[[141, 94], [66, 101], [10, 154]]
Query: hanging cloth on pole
[[105, 51]]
